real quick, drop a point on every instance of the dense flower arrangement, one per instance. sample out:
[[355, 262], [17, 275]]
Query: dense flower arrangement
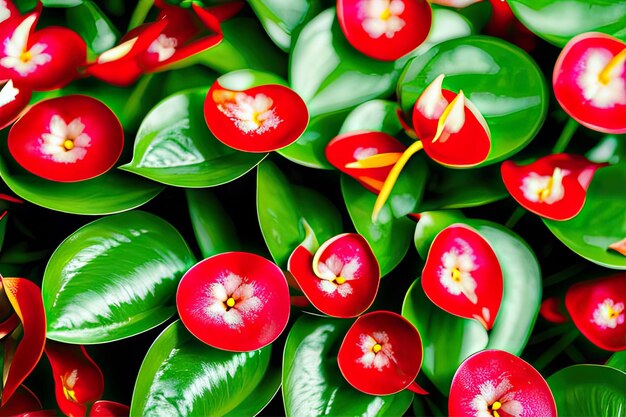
[[234, 191]]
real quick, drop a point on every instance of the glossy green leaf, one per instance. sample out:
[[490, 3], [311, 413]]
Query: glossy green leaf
[[618, 361], [557, 21], [114, 278], [281, 208], [312, 382], [477, 14], [282, 19], [174, 146], [184, 377], [215, 231], [93, 26], [589, 391], [61, 3], [377, 115], [504, 83], [517, 314], [389, 237], [601, 222]]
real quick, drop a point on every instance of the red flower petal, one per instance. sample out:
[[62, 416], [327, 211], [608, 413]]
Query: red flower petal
[[259, 119], [554, 186], [597, 309], [42, 60], [22, 401], [71, 138], [365, 156], [10, 324], [494, 382], [381, 353], [552, 309], [108, 409], [25, 298], [78, 381], [590, 81], [451, 128], [462, 275], [234, 301], [384, 29], [342, 279], [13, 100]]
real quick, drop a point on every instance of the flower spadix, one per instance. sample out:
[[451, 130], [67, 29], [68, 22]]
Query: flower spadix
[[258, 119], [554, 186], [597, 309], [462, 275], [66, 139], [340, 277], [589, 81], [234, 301], [494, 383], [384, 29], [381, 354]]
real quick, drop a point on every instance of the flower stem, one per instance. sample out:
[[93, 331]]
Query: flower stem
[[516, 216], [566, 136], [140, 13], [134, 103], [556, 348]]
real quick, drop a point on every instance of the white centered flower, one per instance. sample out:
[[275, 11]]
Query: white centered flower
[[164, 46], [8, 93], [496, 399], [336, 274], [66, 143], [544, 188], [382, 17], [232, 300], [608, 314], [455, 271], [251, 114], [17, 54], [377, 350], [602, 92]]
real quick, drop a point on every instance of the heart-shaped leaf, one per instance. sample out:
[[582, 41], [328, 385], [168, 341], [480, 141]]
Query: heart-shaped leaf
[[376, 115], [182, 376], [589, 390], [93, 26], [600, 223], [312, 380], [281, 209], [174, 146], [91, 299], [502, 81]]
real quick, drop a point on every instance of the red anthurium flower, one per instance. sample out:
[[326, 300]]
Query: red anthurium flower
[[494, 383], [365, 156], [259, 119], [25, 298], [590, 81], [554, 186], [384, 29], [340, 278], [78, 381], [552, 309], [13, 100], [597, 309], [108, 409], [22, 401], [234, 301], [42, 60], [71, 138], [381, 354], [462, 275]]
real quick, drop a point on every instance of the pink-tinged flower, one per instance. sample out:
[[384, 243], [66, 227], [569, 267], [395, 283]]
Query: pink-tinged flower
[[22, 401], [340, 277], [41, 60], [554, 186], [78, 381], [177, 33], [597, 309], [104, 408], [462, 275], [259, 119], [381, 354], [13, 100], [384, 29], [66, 139], [589, 81], [234, 301], [28, 343], [494, 383], [365, 156], [553, 310]]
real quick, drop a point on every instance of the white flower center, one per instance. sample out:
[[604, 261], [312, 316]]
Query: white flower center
[[601, 78], [17, 54], [377, 350], [544, 188], [66, 143], [455, 271], [68, 381], [336, 274], [250, 114], [608, 314], [496, 399], [381, 17], [164, 46], [232, 300]]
